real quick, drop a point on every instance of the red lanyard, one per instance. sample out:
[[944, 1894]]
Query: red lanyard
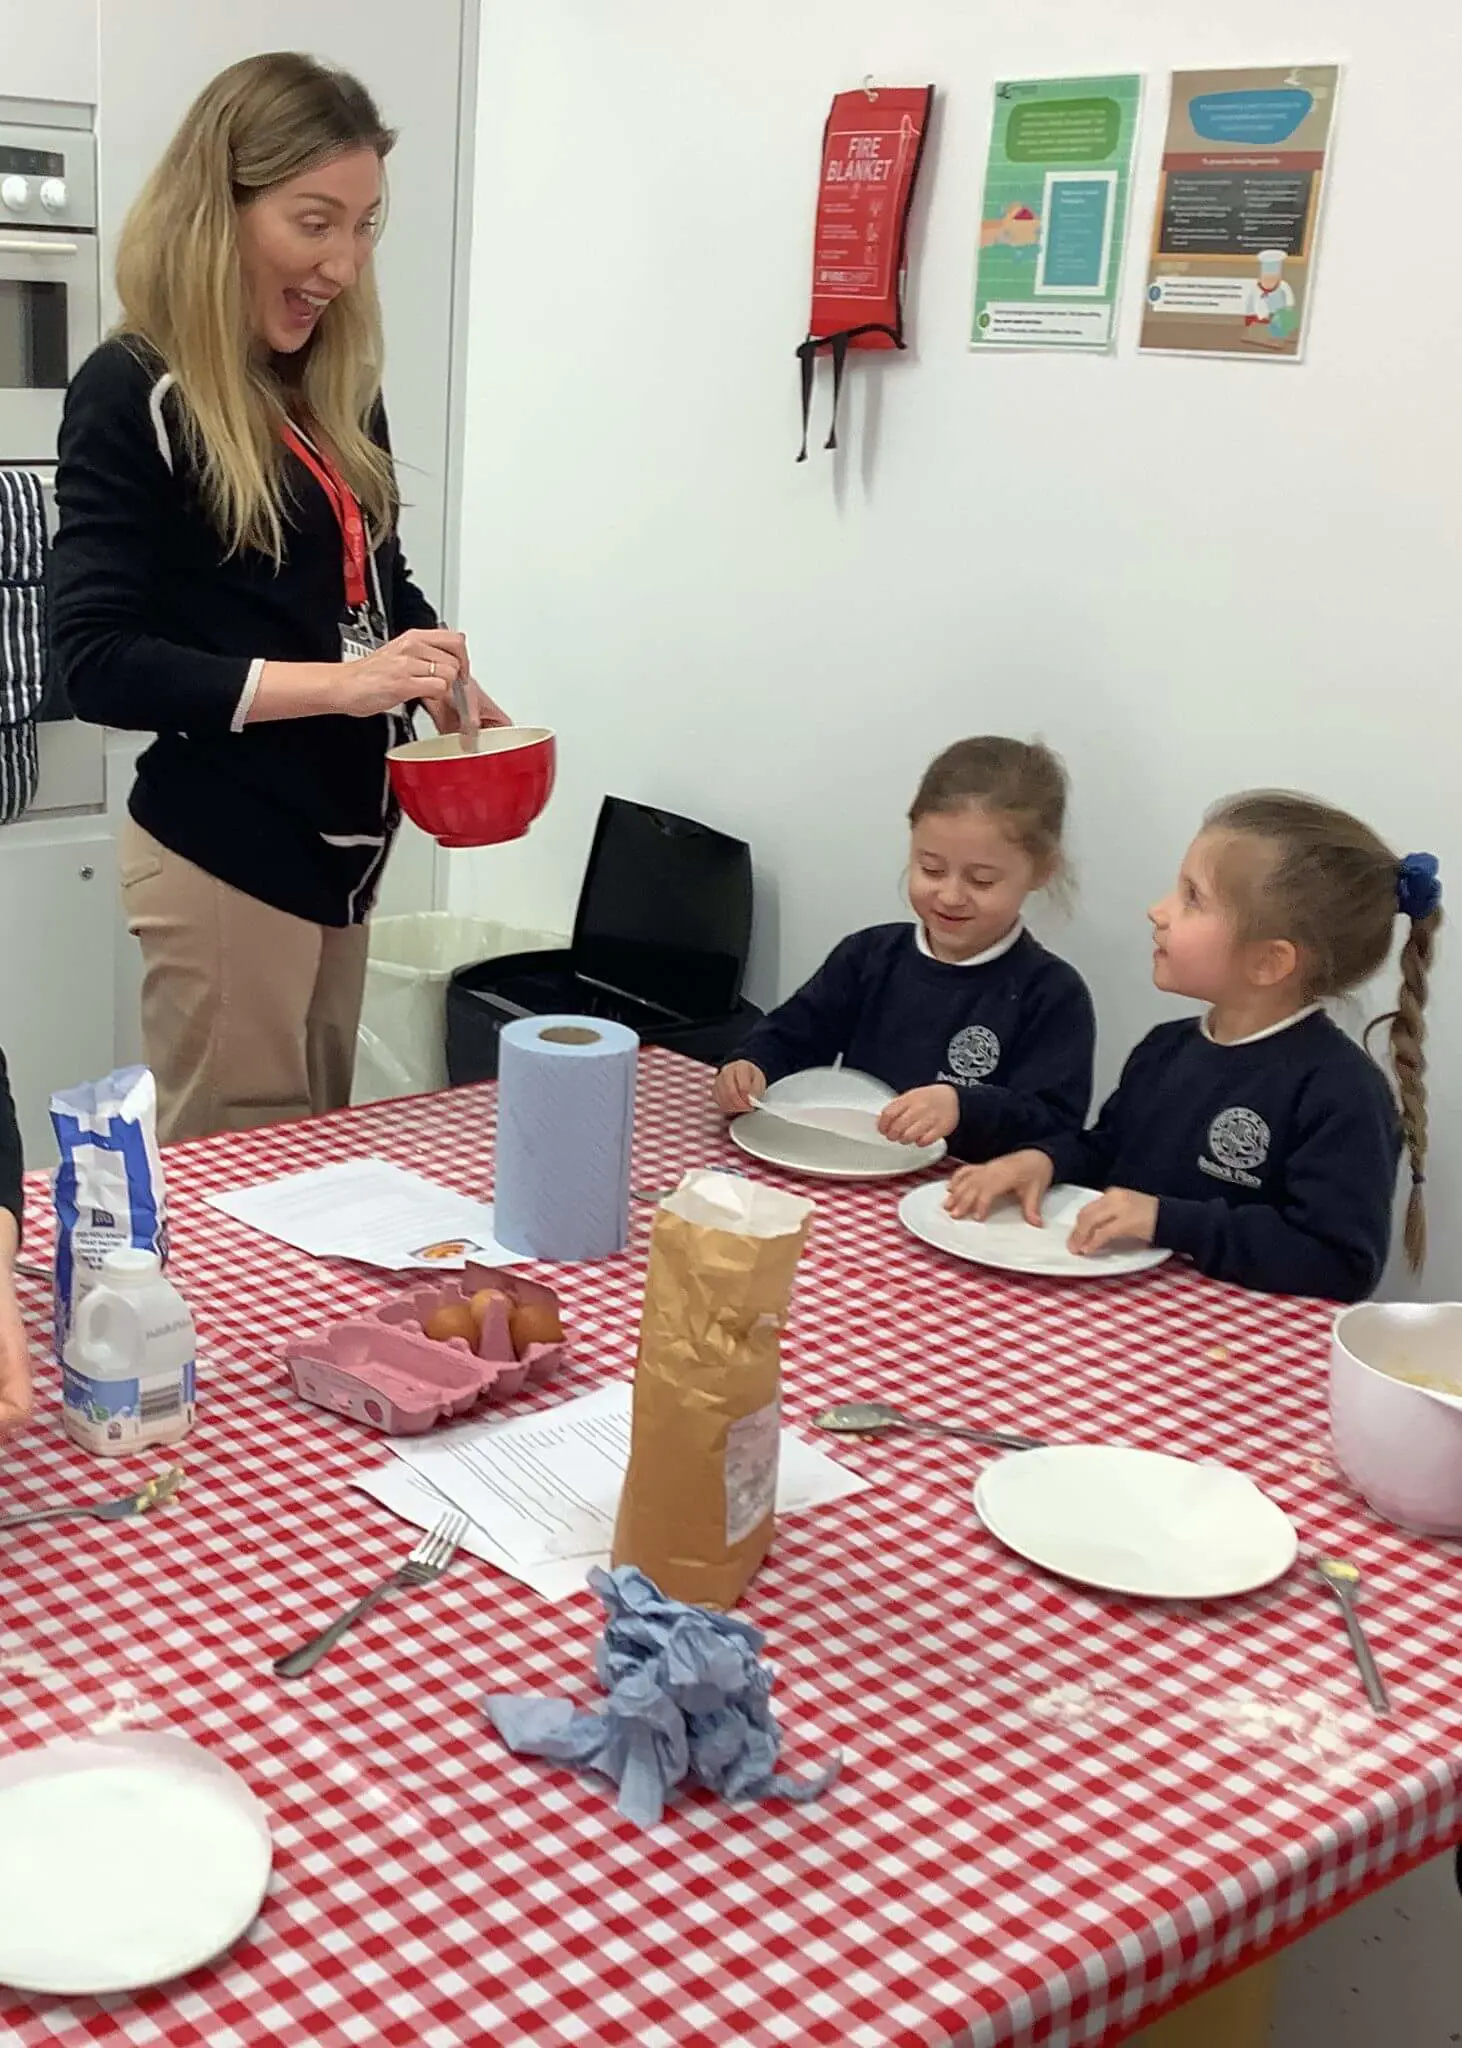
[[346, 507]]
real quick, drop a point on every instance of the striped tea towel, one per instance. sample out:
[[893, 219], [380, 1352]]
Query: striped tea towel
[[22, 635]]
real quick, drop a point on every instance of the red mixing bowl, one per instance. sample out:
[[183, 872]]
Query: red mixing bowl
[[476, 799]]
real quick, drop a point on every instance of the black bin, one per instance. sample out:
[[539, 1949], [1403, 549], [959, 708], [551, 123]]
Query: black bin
[[660, 942]]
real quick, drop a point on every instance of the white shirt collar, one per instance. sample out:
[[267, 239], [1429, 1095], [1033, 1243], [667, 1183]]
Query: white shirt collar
[[1001, 946], [1269, 1031]]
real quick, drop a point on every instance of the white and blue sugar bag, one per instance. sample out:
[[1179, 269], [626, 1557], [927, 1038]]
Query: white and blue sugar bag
[[109, 1185]]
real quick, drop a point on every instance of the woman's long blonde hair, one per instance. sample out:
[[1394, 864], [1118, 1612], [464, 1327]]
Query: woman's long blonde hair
[[259, 123]]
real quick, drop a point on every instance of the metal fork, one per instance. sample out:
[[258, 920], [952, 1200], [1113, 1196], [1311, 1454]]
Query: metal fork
[[156, 1493], [426, 1563]]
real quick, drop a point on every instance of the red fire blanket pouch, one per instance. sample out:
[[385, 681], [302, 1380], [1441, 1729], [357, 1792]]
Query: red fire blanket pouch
[[871, 149]]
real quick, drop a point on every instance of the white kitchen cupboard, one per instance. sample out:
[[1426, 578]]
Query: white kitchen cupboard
[[58, 936], [50, 50]]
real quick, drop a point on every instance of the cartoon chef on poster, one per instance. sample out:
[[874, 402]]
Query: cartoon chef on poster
[[1269, 299]]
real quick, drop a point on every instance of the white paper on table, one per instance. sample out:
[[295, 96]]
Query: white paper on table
[[372, 1212], [542, 1490], [859, 1125]]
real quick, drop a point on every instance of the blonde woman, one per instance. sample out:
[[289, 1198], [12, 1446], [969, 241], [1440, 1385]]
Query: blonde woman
[[227, 575]]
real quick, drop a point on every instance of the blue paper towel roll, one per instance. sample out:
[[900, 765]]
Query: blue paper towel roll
[[565, 1124]]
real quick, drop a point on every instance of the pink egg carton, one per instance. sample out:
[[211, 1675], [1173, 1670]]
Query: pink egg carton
[[381, 1368]]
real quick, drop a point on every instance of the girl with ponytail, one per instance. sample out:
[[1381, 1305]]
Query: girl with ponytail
[[1258, 1139]]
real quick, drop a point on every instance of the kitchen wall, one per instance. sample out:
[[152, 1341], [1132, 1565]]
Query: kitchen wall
[[1189, 576]]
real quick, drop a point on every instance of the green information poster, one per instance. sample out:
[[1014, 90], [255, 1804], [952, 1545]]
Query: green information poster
[[1054, 212]]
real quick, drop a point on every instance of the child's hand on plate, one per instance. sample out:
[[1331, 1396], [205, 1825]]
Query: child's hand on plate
[[739, 1088], [1117, 1217], [975, 1190], [922, 1116]]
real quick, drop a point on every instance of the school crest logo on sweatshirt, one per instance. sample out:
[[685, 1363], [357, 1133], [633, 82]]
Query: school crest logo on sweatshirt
[[974, 1053], [1239, 1142]]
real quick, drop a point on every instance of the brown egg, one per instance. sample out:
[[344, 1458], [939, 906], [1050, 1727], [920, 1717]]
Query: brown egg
[[534, 1322], [483, 1303], [452, 1319]]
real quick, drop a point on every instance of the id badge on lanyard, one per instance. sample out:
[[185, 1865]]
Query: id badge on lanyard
[[361, 633], [363, 625]]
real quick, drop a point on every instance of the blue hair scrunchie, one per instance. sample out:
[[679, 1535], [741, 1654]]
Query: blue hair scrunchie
[[1418, 886]]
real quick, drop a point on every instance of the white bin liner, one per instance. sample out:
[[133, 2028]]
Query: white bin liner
[[401, 1048]]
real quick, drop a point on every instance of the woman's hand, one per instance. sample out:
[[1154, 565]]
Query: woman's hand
[[420, 665], [975, 1190], [1117, 1217], [739, 1088], [921, 1116], [15, 1386]]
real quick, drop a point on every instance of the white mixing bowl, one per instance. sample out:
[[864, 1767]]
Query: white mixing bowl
[[1401, 1445]]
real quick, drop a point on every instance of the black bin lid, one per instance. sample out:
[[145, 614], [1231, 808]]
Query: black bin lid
[[665, 911]]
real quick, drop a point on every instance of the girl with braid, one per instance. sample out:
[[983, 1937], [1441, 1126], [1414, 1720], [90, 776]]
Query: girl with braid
[[1259, 1139]]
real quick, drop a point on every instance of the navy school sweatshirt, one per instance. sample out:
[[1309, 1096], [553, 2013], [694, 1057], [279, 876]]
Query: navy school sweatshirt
[[1013, 1033], [1273, 1160]]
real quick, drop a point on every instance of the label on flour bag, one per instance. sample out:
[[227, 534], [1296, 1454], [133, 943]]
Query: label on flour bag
[[751, 1470]]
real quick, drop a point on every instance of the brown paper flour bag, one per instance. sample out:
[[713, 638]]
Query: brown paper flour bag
[[698, 1510]]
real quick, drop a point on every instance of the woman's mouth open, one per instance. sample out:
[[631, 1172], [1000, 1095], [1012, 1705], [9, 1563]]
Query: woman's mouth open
[[304, 308]]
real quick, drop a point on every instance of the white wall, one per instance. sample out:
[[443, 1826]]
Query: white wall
[[1189, 576]]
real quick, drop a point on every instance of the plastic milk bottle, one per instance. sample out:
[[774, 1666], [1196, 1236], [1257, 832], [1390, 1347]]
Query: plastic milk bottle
[[127, 1377]]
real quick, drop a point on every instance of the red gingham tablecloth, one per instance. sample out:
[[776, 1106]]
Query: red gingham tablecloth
[[1059, 1811]]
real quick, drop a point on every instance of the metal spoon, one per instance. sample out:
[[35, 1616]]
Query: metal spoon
[[467, 729], [1343, 1579], [880, 1418]]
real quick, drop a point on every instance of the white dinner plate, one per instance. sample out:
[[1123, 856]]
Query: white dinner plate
[[125, 1860], [1008, 1242], [1136, 1521], [827, 1154]]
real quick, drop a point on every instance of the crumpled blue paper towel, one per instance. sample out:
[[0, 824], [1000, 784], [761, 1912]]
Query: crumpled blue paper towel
[[689, 1703]]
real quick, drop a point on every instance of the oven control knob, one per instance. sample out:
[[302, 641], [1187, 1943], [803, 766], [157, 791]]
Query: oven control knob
[[14, 193], [53, 194]]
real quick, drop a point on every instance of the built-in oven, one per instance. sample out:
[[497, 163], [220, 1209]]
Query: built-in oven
[[50, 285]]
